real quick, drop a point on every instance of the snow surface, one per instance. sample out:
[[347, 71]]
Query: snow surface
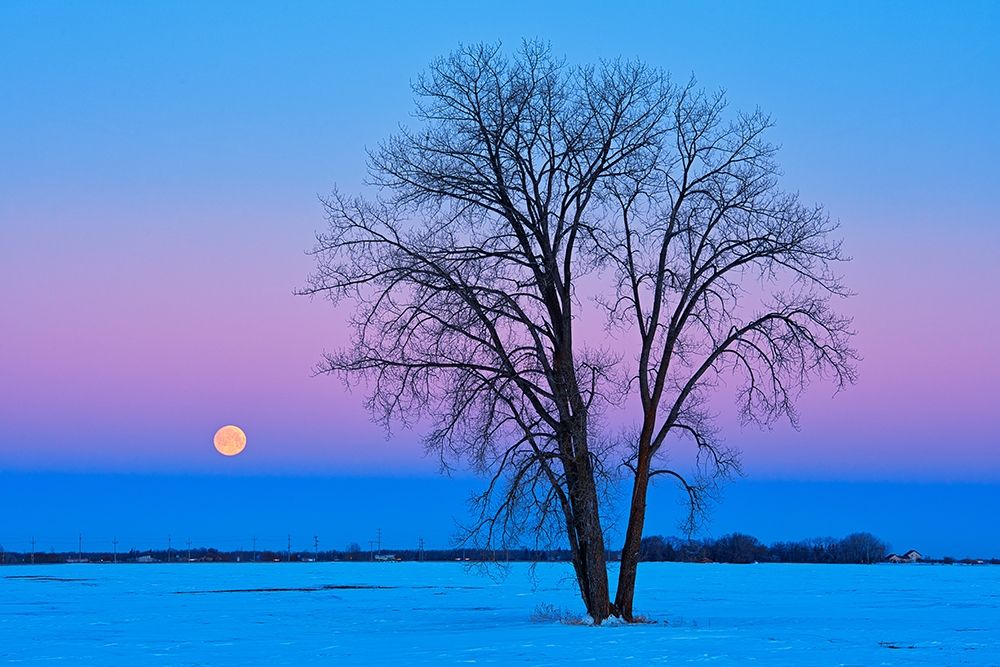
[[442, 613]]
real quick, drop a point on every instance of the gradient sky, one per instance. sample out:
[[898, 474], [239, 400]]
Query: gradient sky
[[159, 167]]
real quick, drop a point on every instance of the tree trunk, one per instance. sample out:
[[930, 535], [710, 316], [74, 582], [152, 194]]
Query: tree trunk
[[584, 523], [589, 557], [633, 541]]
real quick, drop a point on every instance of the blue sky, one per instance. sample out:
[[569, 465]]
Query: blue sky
[[158, 187]]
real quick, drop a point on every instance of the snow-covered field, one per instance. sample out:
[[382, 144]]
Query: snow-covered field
[[440, 613]]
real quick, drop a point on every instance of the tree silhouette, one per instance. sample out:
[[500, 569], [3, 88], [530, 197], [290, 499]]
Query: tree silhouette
[[522, 176]]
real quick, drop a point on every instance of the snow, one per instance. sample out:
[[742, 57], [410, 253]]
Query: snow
[[443, 613]]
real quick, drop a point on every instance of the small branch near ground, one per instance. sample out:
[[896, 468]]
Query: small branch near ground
[[549, 613]]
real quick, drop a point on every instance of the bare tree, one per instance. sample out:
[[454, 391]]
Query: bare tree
[[863, 548], [462, 272], [523, 175], [718, 273]]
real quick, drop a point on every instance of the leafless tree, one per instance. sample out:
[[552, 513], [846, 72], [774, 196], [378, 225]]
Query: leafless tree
[[522, 175], [462, 272], [718, 273], [863, 548]]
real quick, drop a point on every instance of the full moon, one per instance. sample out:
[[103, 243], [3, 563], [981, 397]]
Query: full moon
[[230, 440]]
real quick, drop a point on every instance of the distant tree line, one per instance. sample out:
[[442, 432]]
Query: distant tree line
[[732, 548], [742, 548], [351, 554]]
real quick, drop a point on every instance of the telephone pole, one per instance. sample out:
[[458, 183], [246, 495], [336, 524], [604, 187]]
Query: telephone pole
[[420, 549], [115, 543], [32, 549], [253, 559], [289, 552], [189, 549], [79, 546], [379, 534], [316, 546], [168, 548]]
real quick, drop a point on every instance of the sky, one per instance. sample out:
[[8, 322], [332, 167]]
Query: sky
[[159, 172]]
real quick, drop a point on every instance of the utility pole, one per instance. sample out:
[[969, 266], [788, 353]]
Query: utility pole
[[32, 549], [316, 546], [420, 549], [115, 543], [253, 558], [371, 548], [189, 549], [289, 553], [168, 548], [379, 540], [79, 546]]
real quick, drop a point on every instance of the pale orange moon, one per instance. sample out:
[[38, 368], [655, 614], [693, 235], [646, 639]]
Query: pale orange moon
[[230, 440]]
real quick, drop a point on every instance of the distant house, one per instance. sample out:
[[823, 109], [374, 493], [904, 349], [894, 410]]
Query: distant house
[[391, 558], [146, 559], [911, 556]]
